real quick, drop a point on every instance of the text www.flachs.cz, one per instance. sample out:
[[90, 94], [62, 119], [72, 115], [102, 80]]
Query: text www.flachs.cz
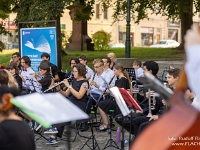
[[186, 144]]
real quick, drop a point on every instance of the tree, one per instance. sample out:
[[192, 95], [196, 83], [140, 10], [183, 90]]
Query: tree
[[5, 9], [179, 10], [175, 10]]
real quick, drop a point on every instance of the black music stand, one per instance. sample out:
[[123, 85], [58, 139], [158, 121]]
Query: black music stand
[[132, 75], [92, 137]]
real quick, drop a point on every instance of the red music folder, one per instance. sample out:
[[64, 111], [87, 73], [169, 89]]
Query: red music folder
[[129, 99]]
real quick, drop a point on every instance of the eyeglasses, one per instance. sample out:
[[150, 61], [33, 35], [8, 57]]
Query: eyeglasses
[[14, 56], [96, 67]]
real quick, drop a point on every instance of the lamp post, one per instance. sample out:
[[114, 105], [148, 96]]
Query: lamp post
[[128, 41]]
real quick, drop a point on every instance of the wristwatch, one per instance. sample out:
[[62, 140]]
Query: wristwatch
[[70, 87]]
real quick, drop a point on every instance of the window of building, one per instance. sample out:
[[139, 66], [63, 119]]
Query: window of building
[[97, 11], [147, 36], [173, 34], [105, 14]]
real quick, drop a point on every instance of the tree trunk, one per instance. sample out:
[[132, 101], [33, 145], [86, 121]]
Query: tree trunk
[[186, 22]]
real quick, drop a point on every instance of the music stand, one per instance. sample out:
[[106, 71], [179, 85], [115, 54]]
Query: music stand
[[132, 75], [122, 106], [129, 99]]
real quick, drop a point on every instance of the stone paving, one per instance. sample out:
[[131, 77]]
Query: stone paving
[[101, 138]]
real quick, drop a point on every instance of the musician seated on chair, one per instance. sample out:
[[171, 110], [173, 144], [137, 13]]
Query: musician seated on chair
[[69, 75], [97, 85], [15, 134], [26, 73], [137, 65], [76, 93], [53, 68], [46, 81], [140, 123], [151, 67], [122, 81], [83, 60]]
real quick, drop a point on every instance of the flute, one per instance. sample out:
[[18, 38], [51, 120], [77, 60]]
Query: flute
[[56, 85], [53, 86]]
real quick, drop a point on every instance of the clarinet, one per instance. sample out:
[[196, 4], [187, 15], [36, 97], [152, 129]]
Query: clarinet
[[107, 86]]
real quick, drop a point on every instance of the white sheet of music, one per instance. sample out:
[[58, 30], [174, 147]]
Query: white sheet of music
[[31, 83], [120, 101], [51, 108]]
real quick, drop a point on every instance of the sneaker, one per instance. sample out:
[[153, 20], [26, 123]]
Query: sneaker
[[52, 140], [37, 126], [51, 131]]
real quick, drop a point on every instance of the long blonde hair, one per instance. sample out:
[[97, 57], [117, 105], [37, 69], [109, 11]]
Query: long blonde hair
[[11, 80]]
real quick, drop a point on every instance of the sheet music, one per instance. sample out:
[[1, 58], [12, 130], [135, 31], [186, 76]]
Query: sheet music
[[51, 108], [31, 84], [120, 101]]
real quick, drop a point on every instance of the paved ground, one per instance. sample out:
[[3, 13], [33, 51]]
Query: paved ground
[[101, 138]]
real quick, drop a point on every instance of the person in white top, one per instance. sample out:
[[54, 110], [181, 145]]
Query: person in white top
[[108, 74], [139, 72], [26, 75], [83, 60], [97, 85]]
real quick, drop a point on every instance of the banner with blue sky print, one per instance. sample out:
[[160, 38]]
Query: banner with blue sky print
[[36, 41]]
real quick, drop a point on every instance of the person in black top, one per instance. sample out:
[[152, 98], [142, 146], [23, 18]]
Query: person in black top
[[15, 134], [46, 80], [13, 69], [151, 67], [76, 93], [69, 75], [17, 59], [104, 106], [53, 68]]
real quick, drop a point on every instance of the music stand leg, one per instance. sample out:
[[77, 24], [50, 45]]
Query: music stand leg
[[94, 141], [110, 141]]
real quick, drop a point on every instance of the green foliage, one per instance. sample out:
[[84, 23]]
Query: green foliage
[[65, 36], [2, 46], [101, 40], [5, 9], [139, 8]]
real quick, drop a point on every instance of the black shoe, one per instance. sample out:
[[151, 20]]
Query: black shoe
[[84, 127]]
